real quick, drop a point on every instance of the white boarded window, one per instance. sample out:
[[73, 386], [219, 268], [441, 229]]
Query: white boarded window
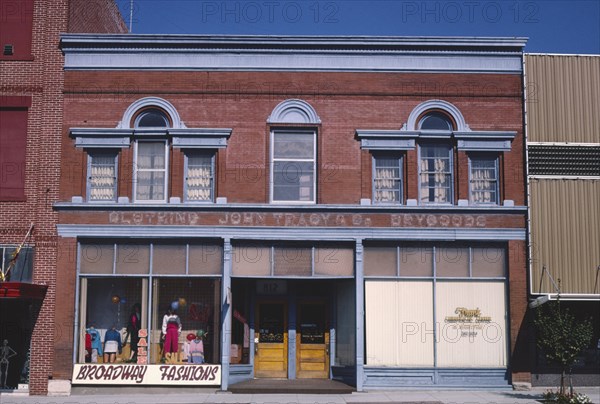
[[293, 170], [472, 324], [399, 323], [199, 176], [102, 176]]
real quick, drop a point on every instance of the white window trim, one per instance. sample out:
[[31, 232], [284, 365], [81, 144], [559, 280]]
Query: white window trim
[[272, 165], [88, 190], [135, 171], [400, 159], [496, 159], [451, 163], [207, 153]]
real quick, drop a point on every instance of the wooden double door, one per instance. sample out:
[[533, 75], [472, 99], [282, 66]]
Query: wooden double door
[[272, 345]]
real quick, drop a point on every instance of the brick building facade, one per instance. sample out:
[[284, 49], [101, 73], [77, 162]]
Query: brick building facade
[[31, 105], [346, 208]]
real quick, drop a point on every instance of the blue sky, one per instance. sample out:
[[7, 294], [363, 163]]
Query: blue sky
[[552, 26]]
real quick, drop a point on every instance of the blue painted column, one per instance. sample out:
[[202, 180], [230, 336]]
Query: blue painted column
[[360, 315], [292, 309], [226, 316]]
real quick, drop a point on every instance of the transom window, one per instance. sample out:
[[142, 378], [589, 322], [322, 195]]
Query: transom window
[[293, 157], [483, 179], [435, 120], [435, 183], [387, 179], [152, 118]]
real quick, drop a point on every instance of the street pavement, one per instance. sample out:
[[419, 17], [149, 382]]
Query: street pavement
[[371, 397]]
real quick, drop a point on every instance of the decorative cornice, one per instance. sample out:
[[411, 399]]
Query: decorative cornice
[[101, 137], [265, 207], [451, 109], [151, 102], [121, 138], [294, 111], [355, 42], [373, 139], [484, 140], [283, 233], [288, 53]]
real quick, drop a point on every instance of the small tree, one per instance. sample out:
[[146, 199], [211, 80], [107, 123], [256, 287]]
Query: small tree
[[561, 337]]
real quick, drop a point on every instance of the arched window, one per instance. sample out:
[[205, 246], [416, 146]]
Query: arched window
[[150, 176], [435, 120], [294, 153], [152, 118]]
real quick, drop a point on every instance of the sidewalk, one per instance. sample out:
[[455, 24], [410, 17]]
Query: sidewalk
[[396, 396]]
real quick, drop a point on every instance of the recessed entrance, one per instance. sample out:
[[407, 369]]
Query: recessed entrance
[[312, 336], [271, 350]]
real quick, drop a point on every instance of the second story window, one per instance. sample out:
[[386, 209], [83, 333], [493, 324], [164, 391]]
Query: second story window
[[150, 173], [102, 175], [151, 158], [293, 157], [483, 179], [435, 160], [199, 176], [387, 179], [435, 177]]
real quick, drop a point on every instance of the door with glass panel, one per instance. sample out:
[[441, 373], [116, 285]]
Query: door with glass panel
[[270, 355], [312, 353]]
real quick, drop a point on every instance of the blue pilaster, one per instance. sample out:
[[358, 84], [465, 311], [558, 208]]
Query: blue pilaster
[[226, 315], [360, 315]]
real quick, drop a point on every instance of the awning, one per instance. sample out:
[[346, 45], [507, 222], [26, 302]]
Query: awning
[[21, 290]]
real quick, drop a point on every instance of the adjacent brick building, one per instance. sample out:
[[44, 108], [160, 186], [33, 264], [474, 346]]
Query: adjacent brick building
[[31, 105], [340, 207]]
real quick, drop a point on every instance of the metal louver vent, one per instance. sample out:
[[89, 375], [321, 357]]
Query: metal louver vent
[[577, 161]]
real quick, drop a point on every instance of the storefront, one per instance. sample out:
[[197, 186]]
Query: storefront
[[20, 305], [425, 313]]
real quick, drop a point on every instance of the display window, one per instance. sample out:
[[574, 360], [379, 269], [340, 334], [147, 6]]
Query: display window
[[111, 310], [149, 303], [185, 314], [436, 305]]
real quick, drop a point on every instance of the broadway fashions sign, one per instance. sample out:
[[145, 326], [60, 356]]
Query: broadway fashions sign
[[183, 375]]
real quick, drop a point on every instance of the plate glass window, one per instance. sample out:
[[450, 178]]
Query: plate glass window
[[293, 166], [387, 180]]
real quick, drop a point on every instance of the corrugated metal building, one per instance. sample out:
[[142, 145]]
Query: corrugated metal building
[[563, 143]]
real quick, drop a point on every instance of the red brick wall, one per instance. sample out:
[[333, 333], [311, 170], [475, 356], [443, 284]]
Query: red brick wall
[[344, 101], [519, 326], [42, 80], [95, 16]]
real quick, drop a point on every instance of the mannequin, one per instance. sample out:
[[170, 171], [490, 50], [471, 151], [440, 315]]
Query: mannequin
[[112, 344], [171, 328], [133, 327], [197, 348], [96, 343], [6, 353]]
